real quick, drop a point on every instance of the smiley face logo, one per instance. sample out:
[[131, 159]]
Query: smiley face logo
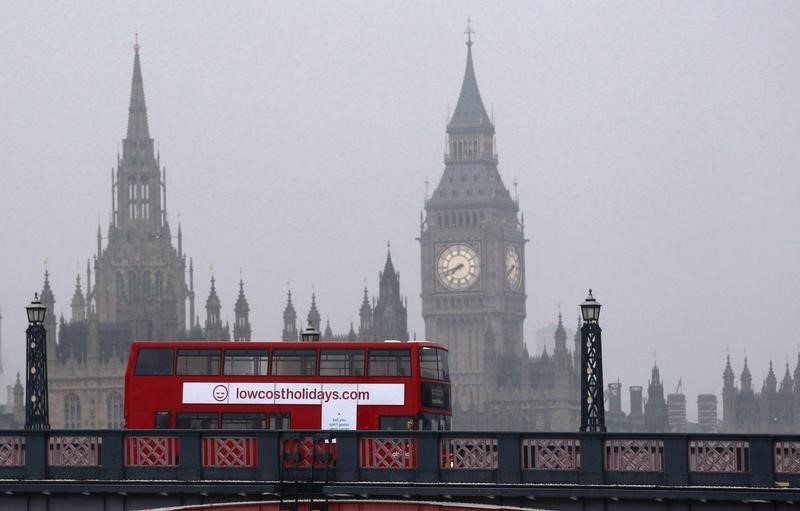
[[220, 393]]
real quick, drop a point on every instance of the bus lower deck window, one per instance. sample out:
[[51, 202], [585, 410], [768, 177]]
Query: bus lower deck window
[[188, 420], [162, 420], [279, 421], [434, 422], [396, 423], [244, 421]]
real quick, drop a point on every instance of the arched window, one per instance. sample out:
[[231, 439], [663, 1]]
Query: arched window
[[146, 283], [120, 284], [159, 284], [144, 196], [114, 410], [72, 412]]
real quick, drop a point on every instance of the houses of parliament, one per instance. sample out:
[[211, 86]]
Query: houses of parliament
[[139, 285]]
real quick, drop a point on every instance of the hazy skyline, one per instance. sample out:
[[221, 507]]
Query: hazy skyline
[[655, 147]]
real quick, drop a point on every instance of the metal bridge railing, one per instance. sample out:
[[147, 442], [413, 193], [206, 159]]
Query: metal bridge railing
[[754, 461]]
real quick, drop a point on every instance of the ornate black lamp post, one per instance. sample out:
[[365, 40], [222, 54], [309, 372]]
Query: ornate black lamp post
[[310, 334], [36, 412], [592, 411]]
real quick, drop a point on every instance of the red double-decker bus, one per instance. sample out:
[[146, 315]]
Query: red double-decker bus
[[287, 385]]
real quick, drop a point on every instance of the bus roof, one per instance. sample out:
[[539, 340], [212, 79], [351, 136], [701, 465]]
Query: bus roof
[[282, 344]]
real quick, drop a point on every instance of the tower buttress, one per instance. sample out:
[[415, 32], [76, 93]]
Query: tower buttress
[[48, 300], [1, 343], [192, 318], [214, 329], [365, 332], [78, 303], [241, 326], [746, 378], [289, 320], [314, 318], [390, 316]]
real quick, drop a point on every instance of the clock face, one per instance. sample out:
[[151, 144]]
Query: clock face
[[458, 267], [513, 267]]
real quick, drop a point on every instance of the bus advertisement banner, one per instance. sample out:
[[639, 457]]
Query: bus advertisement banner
[[339, 401]]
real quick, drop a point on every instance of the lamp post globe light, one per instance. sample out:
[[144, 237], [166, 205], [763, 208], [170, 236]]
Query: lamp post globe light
[[309, 334], [592, 406], [36, 411]]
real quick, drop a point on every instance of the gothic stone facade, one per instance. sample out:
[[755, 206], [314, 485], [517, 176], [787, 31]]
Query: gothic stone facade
[[473, 287], [140, 289], [773, 410]]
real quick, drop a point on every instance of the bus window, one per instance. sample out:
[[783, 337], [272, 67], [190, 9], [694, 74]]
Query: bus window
[[435, 395], [244, 421], [246, 362], [196, 420], [154, 362], [279, 421], [162, 420], [395, 423], [434, 422], [389, 363], [341, 362], [294, 362], [433, 364], [197, 362]]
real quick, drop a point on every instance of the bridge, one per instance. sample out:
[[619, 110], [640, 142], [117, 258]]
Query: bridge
[[295, 470]]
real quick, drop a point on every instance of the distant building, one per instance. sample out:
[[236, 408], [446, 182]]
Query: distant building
[[707, 413], [656, 415], [655, 409], [773, 410], [140, 289], [676, 413], [636, 416], [384, 318], [615, 417], [473, 274], [12, 413]]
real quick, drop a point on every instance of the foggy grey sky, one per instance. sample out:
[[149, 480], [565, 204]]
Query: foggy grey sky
[[656, 147]]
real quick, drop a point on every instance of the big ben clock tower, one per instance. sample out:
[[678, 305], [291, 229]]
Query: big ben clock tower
[[473, 262]]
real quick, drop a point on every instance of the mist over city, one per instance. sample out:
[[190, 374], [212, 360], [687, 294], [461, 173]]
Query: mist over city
[[651, 149]]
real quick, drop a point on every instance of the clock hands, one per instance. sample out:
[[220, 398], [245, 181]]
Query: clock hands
[[511, 269], [454, 269]]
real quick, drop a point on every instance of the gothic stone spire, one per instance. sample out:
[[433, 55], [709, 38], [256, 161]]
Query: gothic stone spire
[[289, 320], [314, 318], [241, 325], [470, 114], [137, 111]]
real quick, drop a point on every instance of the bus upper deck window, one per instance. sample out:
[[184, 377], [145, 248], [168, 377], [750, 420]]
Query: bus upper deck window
[[198, 362], [294, 362], [433, 364], [154, 362], [246, 362], [340, 362], [389, 363]]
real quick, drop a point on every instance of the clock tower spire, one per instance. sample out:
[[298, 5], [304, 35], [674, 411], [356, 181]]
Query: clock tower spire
[[472, 257]]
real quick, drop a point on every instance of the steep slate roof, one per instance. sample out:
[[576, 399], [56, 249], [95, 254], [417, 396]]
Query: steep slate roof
[[470, 114]]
